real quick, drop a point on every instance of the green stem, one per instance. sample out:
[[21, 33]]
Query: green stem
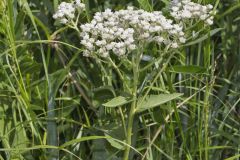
[[129, 130], [135, 62]]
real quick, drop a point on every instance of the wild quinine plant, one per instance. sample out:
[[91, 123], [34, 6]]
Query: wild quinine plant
[[67, 11], [132, 36]]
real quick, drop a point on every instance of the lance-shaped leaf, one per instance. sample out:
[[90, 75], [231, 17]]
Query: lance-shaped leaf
[[117, 101], [155, 100], [191, 69]]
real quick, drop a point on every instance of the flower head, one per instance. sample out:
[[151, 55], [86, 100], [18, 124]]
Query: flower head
[[190, 10], [66, 11], [122, 30]]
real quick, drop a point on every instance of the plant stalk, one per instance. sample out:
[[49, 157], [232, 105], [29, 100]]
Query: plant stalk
[[129, 130], [135, 62]]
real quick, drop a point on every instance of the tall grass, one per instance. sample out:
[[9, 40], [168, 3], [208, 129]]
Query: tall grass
[[51, 96]]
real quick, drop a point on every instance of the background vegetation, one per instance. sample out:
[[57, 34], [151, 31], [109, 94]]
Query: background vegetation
[[51, 96]]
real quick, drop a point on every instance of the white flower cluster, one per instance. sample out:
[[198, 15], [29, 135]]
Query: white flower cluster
[[190, 10], [66, 11], [119, 32]]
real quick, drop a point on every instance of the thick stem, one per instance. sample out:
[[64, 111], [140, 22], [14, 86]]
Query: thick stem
[[135, 62], [129, 130]]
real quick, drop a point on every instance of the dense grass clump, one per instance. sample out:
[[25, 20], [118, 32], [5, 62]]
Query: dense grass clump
[[166, 95]]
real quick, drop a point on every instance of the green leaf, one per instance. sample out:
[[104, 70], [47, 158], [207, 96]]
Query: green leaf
[[166, 2], [98, 150], [117, 101], [155, 100], [144, 4], [212, 32], [236, 19], [82, 139], [229, 10], [191, 69], [115, 144], [57, 78], [233, 158], [19, 26], [116, 131]]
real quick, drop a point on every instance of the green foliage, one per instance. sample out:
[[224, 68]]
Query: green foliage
[[116, 102], [144, 4], [155, 100], [191, 69], [54, 100]]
